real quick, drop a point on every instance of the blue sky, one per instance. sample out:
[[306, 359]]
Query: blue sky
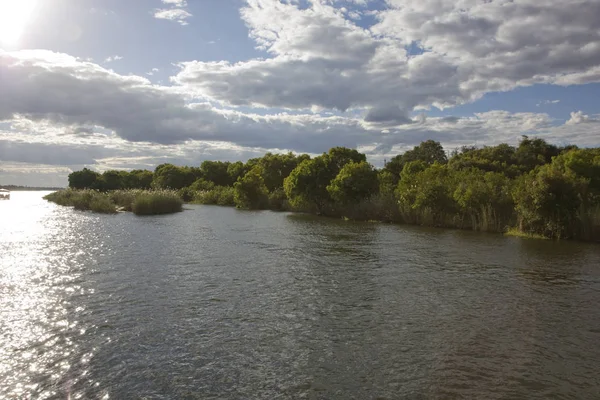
[[131, 84]]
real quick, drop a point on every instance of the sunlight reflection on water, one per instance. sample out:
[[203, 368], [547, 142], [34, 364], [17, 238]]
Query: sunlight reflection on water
[[37, 278]]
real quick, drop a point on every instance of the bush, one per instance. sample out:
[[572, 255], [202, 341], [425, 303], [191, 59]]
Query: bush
[[186, 194], [124, 198], [219, 195], [278, 201], [102, 204], [142, 202], [154, 203]]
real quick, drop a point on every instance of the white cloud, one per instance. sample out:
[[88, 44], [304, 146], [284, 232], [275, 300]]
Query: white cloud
[[112, 58], [321, 59], [152, 71], [178, 15], [176, 3], [546, 102], [579, 117]]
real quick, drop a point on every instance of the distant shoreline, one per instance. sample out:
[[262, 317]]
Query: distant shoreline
[[16, 188]]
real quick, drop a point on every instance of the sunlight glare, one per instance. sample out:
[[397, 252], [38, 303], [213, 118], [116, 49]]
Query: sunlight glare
[[14, 15]]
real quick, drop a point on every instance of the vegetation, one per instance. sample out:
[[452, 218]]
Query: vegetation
[[141, 202], [157, 202], [538, 189]]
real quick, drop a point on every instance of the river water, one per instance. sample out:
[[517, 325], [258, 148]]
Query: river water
[[220, 303]]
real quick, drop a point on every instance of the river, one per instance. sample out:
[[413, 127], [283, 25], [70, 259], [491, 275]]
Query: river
[[220, 303]]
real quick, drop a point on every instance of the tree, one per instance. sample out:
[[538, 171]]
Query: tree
[[547, 200], [84, 179], [112, 180], [276, 167], [337, 157], [355, 181], [250, 191], [306, 186], [216, 172], [428, 152], [169, 176], [532, 153], [425, 193], [236, 170], [138, 179]]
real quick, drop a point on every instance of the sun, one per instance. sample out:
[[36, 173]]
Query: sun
[[14, 15]]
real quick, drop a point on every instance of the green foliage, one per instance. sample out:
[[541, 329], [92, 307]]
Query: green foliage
[[138, 179], [216, 172], [356, 181], [236, 170], [306, 186], [250, 191], [102, 204], [278, 200], [387, 181], [274, 168], [139, 201], [547, 201], [84, 179], [157, 202], [540, 188], [84, 200], [186, 194], [425, 196], [428, 152], [484, 199], [169, 176], [219, 195]]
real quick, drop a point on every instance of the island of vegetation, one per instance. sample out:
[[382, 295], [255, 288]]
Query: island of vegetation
[[535, 189]]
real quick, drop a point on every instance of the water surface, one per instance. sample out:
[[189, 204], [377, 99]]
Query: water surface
[[219, 303]]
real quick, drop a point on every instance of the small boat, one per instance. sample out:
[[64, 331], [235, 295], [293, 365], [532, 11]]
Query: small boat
[[4, 194]]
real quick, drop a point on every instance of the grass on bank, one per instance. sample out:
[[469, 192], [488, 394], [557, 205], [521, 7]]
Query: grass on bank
[[141, 202], [518, 233]]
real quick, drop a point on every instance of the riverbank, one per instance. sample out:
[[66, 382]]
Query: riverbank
[[140, 202]]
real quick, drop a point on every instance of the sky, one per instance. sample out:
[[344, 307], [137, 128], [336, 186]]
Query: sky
[[113, 84]]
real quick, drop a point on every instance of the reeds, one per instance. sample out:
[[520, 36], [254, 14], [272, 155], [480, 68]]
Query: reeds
[[141, 202]]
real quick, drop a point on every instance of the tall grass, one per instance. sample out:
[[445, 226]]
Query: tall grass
[[219, 195], [83, 200], [154, 203], [141, 202]]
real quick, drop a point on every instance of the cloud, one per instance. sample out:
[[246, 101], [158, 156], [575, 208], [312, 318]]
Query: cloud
[[579, 117], [319, 58], [98, 117], [545, 102], [178, 15], [113, 58], [152, 71], [176, 3]]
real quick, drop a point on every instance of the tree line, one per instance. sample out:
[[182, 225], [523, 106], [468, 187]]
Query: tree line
[[536, 187]]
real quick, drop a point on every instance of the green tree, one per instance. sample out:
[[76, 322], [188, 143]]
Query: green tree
[[216, 172], [250, 191], [84, 179], [306, 186], [425, 193], [236, 170], [138, 179], [112, 180], [428, 152], [355, 181], [532, 153], [547, 201], [169, 176], [276, 167]]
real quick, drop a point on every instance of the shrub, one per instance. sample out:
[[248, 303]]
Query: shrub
[[102, 204], [219, 195], [154, 203]]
